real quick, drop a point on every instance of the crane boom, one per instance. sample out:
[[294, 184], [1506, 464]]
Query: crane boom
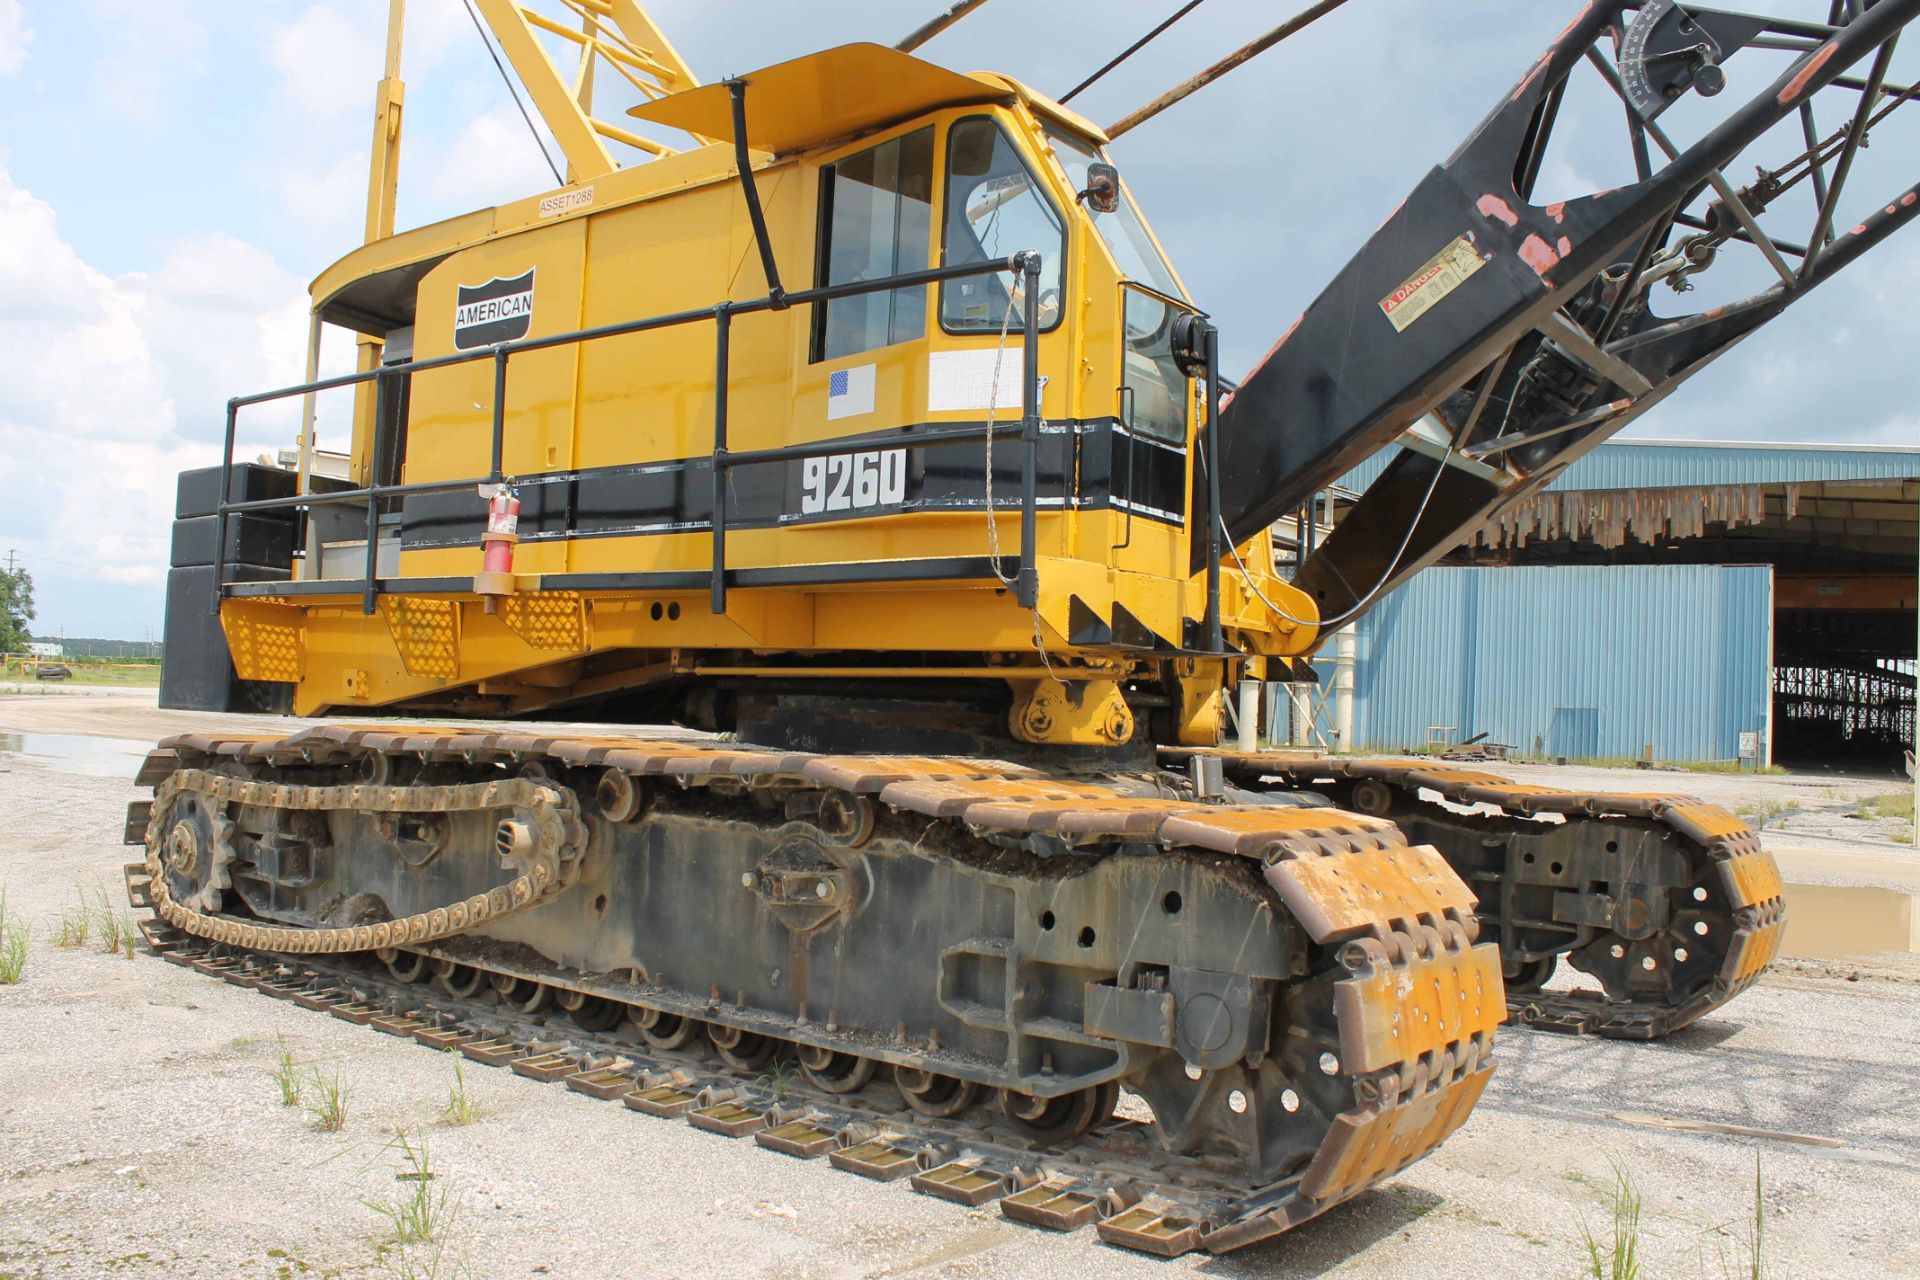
[[1496, 340]]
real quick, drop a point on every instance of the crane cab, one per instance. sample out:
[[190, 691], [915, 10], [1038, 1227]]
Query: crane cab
[[869, 511]]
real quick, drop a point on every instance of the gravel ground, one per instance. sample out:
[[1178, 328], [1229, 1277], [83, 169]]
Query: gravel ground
[[141, 1133]]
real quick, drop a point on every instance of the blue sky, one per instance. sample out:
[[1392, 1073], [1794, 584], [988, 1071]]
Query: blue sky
[[172, 174]]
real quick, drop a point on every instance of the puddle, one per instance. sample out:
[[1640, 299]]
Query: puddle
[[1836, 922], [76, 753]]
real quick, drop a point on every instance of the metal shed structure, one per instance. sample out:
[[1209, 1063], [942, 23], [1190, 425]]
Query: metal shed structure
[[1664, 594], [1584, 662]]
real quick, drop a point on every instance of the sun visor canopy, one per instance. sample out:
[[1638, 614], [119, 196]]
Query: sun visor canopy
[[821, 98]]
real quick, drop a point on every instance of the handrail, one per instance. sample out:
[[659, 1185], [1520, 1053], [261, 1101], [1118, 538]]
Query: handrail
[[1026, 263]]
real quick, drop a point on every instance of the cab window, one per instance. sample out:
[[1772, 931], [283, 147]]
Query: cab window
[[876, 219], [994, 209]]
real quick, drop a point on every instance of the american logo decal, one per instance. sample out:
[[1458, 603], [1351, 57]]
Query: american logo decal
[[498, 311]]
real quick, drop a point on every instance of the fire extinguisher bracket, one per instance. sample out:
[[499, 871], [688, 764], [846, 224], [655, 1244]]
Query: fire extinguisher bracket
[[496, 576]]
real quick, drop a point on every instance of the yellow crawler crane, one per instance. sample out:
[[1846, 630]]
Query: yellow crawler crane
[[958, 548]]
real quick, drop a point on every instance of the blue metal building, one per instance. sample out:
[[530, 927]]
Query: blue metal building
[[1671, 595], [1583, 662]]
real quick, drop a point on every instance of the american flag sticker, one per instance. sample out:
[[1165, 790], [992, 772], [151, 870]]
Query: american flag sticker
[[850, 392]]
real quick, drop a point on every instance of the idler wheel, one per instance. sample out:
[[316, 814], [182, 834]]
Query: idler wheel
[[1064, 1118], [663, 1030], [935, 1095], [522, 994], [458, 980], [1372, 796], [742, 1050], [1532, 975], [590, 1013], [407, 966], [835, 1072]]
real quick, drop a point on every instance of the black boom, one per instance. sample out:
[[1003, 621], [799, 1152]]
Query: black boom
[[1496, 340]]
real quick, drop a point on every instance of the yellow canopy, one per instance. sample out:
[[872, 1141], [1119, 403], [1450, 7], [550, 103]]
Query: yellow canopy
[[821, 98]]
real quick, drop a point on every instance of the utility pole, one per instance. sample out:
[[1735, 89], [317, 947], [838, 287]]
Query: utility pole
[[13, 562]]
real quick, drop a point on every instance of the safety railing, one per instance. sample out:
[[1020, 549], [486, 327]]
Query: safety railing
[[1025, 265]]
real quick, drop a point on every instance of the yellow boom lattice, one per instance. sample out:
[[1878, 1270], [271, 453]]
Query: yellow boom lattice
[[616, 32]]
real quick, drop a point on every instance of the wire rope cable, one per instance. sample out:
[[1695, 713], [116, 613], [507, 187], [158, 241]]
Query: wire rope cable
[[499, 66], [1130, 50]]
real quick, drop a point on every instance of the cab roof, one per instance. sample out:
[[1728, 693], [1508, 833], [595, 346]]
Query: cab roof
[[839, 93]]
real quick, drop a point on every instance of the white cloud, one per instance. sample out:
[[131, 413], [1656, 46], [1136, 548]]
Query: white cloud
[[15, 36], [492, 159], [117, 383], [328, 61], [329, 58], [146, 48], [327, 199], [84, 370]]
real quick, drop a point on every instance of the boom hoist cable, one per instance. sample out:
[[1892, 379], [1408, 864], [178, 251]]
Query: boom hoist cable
[[1130, 50], [1244, 54], [938, 23], [505, 76]]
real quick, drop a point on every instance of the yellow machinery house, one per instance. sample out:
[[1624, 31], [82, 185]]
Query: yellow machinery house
[[964, 474]]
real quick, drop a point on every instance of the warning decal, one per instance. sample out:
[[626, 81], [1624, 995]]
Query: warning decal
[[1444, 272]]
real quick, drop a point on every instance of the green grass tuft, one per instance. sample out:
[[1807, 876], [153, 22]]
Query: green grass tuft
[[1615, 1255], [1895, 804], [461, 1108], [286, 1074], [424, 1211], [326, 1095], [13, 945], [74, 928]]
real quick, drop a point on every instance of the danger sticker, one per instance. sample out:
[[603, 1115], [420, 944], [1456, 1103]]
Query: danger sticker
[[1444, 272]]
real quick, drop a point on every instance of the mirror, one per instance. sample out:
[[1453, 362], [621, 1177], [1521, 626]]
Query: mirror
[[1103, 188]]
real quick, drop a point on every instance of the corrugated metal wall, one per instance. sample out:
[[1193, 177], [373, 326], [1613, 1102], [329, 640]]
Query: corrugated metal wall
[[1667, 464], [1578, 661]]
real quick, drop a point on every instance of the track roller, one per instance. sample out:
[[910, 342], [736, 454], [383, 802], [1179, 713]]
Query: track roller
[[742, 1050], [935, 1095], [836, 1072], [1064, 1118]]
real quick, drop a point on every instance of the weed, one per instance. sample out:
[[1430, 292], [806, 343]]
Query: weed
[[74, 928], [428, 1261], [327, 1103], [286, 1074], [424, 1212], [1616, 1256], [13, 945], [1761, 814], [460, 1108], [117, 933], [1748, 1261], [1895, 804], [778, 1078], [13, 953]]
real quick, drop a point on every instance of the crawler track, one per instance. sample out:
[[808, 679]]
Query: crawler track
[[1365, 1011], [1669, 901]]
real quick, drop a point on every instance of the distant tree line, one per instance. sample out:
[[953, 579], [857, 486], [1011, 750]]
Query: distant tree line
[[16, 607], [109, 650], [16, 633]]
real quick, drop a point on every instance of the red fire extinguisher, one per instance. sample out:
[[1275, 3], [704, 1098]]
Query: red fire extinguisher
[[503, 530]]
